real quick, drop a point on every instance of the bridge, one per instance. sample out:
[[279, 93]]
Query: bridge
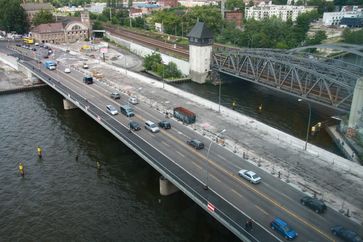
[[328, 82], [229, 199]]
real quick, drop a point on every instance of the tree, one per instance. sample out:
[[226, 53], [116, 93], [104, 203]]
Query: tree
[[13, 17], [43, 17], [317, 39], [351, 37], [97, 25], [151, 61], [233, 4]]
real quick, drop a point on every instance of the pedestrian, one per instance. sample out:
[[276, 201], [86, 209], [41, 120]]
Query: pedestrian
[[250, 224], [21, 169], [39, 151], [246, 225]]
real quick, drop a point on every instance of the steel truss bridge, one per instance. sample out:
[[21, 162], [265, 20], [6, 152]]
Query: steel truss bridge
[[329, 82]]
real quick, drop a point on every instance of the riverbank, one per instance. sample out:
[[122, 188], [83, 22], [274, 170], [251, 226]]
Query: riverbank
[[12, 80]]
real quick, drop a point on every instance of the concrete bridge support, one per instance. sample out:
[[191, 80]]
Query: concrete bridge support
[[68, 105], [356, 110], [166, 187]]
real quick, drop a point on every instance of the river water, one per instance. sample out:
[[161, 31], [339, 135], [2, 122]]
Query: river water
[[64, 199]]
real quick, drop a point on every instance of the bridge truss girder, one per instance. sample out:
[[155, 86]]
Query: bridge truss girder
[[317, 83]]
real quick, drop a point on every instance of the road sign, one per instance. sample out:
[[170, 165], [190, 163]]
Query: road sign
[[211, 207]]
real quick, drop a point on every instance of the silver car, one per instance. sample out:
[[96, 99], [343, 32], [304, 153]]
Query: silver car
[[111, 109], [250, 176]]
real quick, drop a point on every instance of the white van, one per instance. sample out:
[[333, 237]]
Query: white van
[[133, 100]]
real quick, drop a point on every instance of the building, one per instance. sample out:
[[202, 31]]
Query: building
[[284, 12], [194, 3], [96, 7], [200, 52], [168, 3], [63, 32], [352, 22], [334, 18], [234, 16], [33, 8]]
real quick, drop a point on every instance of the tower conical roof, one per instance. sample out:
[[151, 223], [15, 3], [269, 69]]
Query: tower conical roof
[[200, 31]]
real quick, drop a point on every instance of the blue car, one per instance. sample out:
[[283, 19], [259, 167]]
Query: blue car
[[281, 226], [346, 234]]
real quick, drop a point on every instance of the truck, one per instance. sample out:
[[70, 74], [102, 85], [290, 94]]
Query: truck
[[184, 115], [51, 65]]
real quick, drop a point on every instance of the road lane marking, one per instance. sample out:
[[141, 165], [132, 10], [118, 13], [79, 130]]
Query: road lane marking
[[223, 170], [164, 143], [196, 164], [234, 191], [221, 157], [182, 155], [211, 175], [262, 210]]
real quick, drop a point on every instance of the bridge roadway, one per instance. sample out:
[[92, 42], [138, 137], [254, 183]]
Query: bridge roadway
[[168, 153]]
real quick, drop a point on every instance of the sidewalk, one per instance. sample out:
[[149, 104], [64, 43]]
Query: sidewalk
[[312, 171]]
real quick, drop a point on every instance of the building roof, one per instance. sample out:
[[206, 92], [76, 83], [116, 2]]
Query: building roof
[[36, 6], [48, 28], [200, 31]]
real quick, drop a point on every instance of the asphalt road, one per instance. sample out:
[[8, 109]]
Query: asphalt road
[[262, 202]]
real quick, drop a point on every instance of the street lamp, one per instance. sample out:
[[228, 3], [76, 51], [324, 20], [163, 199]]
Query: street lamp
[[207, 164], [308, 128], [219, 96], [163, 73]]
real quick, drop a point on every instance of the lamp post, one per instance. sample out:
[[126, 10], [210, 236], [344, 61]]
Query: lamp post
[[308, 128], [163, 73], [207, 164], [219, 96]]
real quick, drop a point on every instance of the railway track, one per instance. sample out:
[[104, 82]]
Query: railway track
[[157, 44]]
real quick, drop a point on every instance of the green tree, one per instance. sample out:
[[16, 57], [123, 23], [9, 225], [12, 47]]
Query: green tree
[[317, 39], [171, 71], [13, 17], [151, 61], [43, 17], [351, 37], [97, 25], [233, 4]]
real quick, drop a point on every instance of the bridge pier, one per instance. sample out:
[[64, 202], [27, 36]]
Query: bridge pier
[[68, 105], [355, 116], [166, 187]]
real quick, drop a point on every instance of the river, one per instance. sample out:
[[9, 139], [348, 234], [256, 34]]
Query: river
[[64, 199]]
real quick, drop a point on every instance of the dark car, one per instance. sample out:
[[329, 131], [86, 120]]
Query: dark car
[[115, 95], [164, 124], [346, 234], [282, 227], [196, 144], [134, 125], [315, 204]]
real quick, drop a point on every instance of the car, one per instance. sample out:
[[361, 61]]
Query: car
[[250, 176], [133, 100], [67, 70], [111, 109], [151, 126], [88, 79], [85, 66], [315, 204], [345, 234], [36, 44], [164, 124], [34, 49], [115, 95], [134, 125], [282, 227], [197, 144]]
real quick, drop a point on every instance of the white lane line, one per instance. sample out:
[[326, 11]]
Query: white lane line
[[215, 178], [196, 164], [181, 154], [234, 191], [164, 143], [221, 157], [262, 210]]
